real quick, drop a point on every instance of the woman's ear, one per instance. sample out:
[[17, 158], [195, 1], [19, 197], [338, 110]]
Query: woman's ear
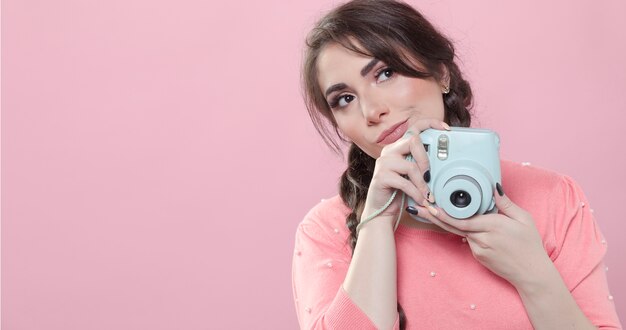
[[444, 79]]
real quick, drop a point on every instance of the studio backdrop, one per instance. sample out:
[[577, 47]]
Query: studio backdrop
[[157, 155]]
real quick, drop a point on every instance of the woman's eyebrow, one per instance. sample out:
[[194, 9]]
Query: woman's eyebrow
[[335, 87], [367, 68]]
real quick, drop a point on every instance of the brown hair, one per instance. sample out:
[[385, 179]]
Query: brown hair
[[390, 31]]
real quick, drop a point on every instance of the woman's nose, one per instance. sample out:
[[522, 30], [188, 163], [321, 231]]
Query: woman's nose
[[373, 110]]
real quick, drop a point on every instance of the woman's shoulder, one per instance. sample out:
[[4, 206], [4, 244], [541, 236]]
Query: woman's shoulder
[[324, 226], [329, 215], [528, 182], [553, 199], [524, 174], [534, 186]]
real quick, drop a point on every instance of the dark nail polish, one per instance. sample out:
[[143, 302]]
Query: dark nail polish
[[411, 210], [427, 176], [499, 187]]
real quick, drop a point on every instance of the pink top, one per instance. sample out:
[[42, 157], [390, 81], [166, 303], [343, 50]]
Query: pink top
[[440, 284]]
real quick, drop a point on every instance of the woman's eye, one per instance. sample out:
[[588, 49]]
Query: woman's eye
[[384, 74], [344, 100], [341, 101]]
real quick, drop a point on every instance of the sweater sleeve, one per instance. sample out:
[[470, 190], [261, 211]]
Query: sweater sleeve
[[320, 263], [579, 257]]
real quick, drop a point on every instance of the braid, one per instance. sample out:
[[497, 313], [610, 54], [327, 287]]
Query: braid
[[459, 100], [353, 187]]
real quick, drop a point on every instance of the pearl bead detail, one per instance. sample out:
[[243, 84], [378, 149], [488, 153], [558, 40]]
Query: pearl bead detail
[[606, 269], [525, 164], [433, 274], [464, 240], [610, 297], [308, 309], [582, 204], [591, 210], [604, 241], [336, 231], [329, 265], [473, 307]]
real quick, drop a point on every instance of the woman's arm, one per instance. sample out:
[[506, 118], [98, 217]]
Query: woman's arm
[[574, 278], [549, 303], [370, 283], [320, 266], [371, 278], [566, 288]]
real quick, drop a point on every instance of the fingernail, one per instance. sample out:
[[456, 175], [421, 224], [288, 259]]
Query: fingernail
[[411, 210], [445, 126], [431, 197], [427, 176], [432, 210], [499, 188]]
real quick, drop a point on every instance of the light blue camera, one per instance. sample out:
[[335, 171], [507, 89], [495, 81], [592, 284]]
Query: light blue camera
[[464, 169]]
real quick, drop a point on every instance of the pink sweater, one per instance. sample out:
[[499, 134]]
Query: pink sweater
[[440, 284]]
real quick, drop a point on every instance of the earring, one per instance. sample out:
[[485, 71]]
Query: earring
[[446, 89]]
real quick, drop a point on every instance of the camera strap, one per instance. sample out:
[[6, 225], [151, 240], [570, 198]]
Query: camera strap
[[375, 214]]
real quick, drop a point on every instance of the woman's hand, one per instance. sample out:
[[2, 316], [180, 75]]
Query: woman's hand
[[507, 243], [392, 171]]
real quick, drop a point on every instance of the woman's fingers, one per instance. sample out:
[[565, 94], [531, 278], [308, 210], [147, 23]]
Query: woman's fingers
[[507, 207], [420, 125], [419, 153], [423, 213], [476, 224], [411, 171], [398, 182], [402, 165], [420, 158], [414, 148], [400, 155], [403, 145]]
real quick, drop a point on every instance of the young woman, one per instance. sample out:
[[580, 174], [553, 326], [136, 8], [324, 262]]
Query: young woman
[[373, 70]]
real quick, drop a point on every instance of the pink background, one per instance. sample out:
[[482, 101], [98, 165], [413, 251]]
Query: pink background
[[157, 157]]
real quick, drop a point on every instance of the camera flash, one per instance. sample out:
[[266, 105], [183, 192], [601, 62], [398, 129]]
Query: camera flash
[[442, 147]]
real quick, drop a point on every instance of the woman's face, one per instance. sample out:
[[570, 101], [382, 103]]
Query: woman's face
[[368, 98]]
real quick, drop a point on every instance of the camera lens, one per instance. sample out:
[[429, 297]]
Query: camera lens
[[460, 198]]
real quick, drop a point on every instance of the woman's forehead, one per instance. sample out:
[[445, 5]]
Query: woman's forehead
[[334, 53], [337, 62]]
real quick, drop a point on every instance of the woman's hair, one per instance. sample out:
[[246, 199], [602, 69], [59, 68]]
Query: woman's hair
[[396, 34]]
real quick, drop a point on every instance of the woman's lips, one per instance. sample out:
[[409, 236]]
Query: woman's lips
[[397, 132]]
